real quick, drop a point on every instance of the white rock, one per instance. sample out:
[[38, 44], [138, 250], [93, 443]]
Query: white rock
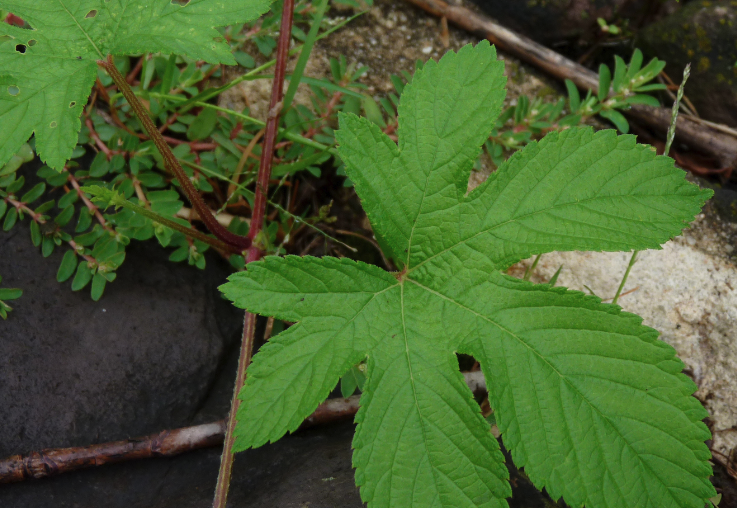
[[687, 292]]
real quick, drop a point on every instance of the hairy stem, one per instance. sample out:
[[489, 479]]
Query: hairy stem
[[191, 233], [91, 207], [668, 143], [254, 251], [171, 163]]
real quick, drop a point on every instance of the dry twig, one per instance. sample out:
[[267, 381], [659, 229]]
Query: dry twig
[[51, 462]]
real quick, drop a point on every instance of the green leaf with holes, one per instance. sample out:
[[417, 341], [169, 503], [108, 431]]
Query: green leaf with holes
[[48, 68], [588, 400]]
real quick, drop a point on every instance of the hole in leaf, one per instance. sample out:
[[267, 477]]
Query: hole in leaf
[[91, 14], [180, 2], [32, 42], [13, 90], [72, 104], [52, 125], [20, 48]]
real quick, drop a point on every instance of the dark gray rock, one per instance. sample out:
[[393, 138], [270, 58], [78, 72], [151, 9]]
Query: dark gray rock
[[704, 34], [152, 354], [554, 21], [75, 372]]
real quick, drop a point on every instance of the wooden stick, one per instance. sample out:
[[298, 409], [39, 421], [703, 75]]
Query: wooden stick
[[168, 443], [717, 143], [56, 461]]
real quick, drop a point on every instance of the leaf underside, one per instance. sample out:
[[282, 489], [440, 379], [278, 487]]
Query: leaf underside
[[46, 72], [589, 401]]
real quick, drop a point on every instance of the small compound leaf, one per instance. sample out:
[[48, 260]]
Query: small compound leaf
[[10, 294], [617, 118], [10, 219], [67, 267], [35, 234], [203, 125], [33, 194], [98, 286], [83, 276]]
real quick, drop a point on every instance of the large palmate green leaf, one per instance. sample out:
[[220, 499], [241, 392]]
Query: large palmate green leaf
[[589, 401], [46, 72]]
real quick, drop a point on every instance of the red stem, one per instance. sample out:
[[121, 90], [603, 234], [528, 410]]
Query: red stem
[[171, 163], [254, 251]]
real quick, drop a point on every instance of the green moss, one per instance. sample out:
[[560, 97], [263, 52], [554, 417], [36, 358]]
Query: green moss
[[704, 64]]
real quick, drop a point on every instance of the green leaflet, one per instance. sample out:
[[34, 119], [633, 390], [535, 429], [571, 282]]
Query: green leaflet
[[46, 73], [588, 400]]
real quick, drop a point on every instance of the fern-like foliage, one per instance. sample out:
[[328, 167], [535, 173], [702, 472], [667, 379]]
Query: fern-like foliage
[[588, 400]]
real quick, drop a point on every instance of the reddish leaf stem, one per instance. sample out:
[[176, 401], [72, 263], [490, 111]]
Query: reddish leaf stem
[[40, 220], [254, 251], [171, 163], [90, 206]]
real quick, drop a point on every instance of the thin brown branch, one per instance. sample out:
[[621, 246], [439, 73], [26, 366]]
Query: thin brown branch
[[714, 142], [90, 206], [96, 138], [164, 444], [168, 443], [171, 162], [242, 162]]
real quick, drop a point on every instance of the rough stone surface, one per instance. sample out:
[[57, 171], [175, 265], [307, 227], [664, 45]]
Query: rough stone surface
[[704, 34], [554, 21], [688, 292], [142, 359]]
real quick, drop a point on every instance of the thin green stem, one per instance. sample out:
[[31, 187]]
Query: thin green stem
[[304, 55], [668, 144], [164, 221], [214, 92], [633, 259], [296, 138], [674, 112], [531, 268], [242, 188]]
